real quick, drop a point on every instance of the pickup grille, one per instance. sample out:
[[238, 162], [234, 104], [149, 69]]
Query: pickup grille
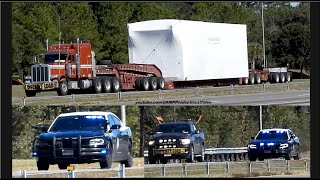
[[40, 73]]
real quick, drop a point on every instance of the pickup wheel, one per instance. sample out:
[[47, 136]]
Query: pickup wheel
[[63, 165], [201, 158], [191, 155], [153, 83], [163, 161], [116, 86], [42, 165], [129, 161], [152, 160], [144, 84], [106, 84], [63, 88], [288, 156], [297, 156], [97, 85], [106, 162], [260, 158], [30, 93], [252, 158]]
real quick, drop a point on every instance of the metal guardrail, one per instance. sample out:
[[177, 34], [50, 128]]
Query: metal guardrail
[[223, 169], [121, 170], [160, 94]]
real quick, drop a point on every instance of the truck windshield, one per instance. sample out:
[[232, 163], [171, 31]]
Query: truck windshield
[[173, 128], [54, 57], [272, 135], [79, 123]]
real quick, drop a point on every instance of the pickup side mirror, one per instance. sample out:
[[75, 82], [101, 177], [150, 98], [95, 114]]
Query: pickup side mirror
[[150, 132], [41, 128], [115, 126], [197, 131], [252, 137]]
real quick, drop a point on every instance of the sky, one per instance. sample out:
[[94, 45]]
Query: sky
[[294, 3]]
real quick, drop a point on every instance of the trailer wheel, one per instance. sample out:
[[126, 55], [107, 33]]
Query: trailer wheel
[[144, 84], [116, 86], [246, 81], [106, 84], [97, 85], [160, 82], [30, 93], [137, 84], [276, 77], [251, 78], [257, 78], [270, 78], [153, 83], [288, 77], [282, 78], [63, 88]]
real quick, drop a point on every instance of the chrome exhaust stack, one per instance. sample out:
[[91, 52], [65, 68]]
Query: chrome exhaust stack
[[78, 58]]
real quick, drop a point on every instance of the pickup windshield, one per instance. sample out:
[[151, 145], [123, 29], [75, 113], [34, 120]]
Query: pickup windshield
[[272, 135], [79, 123], [173, 128]]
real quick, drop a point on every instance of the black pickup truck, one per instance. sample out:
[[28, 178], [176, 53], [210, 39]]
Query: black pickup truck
[[176, 140], [84, 137]]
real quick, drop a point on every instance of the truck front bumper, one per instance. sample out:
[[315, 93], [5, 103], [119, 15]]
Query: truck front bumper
[[43, 86]]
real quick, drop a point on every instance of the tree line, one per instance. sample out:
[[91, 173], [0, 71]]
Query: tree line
[[224, 126], [104, 25]]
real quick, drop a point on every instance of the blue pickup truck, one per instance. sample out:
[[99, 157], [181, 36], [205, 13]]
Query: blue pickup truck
[[84, 137]]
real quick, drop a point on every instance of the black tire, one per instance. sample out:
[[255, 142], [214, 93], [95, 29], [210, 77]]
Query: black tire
[[276, 77], [282, 78], [252, 158], [152, 160], [30, 93], [144, 84], [106, 84], [160, 83], [297, 156], [106, 162], [288, 77], [251, 78], [191, 155], [97, 85], [260, 158], [257, 78], [153, 83], [201, 158], [116, 84], [163, 160], [137, 84], [129, 161], [270, 78], [288, 156], [63, 88], [42, 165], [63, 165], [246, 81]]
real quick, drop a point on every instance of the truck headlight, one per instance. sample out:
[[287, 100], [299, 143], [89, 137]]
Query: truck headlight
[[185, 141], [54, 76], [95, 142], [284, 145], [27, 79], [252, 146], [151, 143]]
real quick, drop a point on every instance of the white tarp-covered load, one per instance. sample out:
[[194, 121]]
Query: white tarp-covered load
[[190, 50]]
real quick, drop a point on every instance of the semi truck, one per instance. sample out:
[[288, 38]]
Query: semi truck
[[163, 54]]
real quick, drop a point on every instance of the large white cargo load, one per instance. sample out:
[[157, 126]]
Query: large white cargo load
[[190, 50]]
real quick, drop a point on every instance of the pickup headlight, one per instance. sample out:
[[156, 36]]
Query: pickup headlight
[[284, 145], [95, 142], [252, 146], [151, 143], [41, 143], [185, 141]]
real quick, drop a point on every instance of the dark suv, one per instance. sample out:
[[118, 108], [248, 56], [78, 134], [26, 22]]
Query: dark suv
[[176, 140], [274, 143], [84, 137]]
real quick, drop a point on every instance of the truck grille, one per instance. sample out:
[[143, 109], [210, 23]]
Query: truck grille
[[40, 73]]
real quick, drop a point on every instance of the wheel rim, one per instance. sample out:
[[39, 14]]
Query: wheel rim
[[246, 80], [64, 87], [288, 78], [116, 85], [107, 86], [98, 86], [146, 84], [161, 84]]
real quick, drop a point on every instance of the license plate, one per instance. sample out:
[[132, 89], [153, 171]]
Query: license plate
[[267, 151], [167, 155], [67, 152], [31, 86]]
